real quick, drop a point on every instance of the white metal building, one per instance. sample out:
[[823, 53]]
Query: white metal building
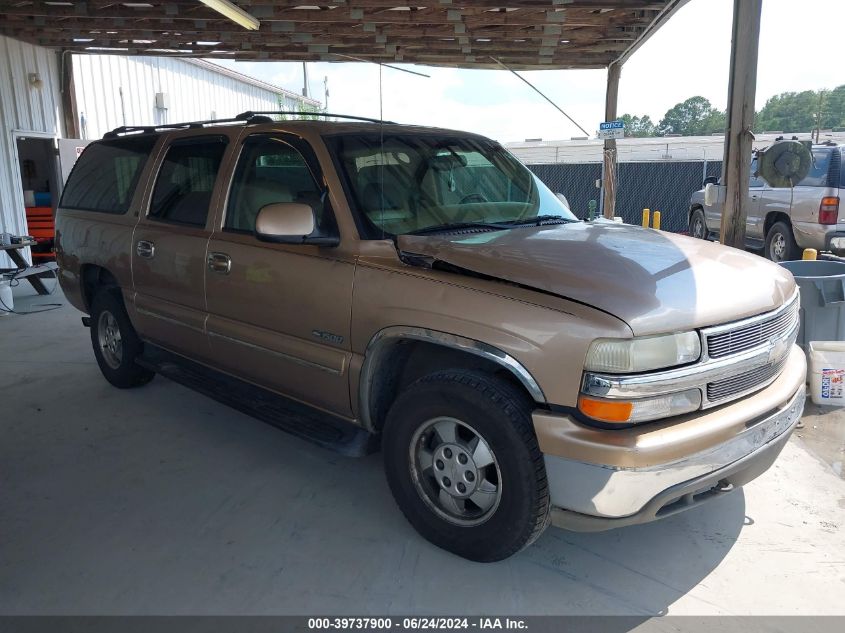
[[30, 107], [657, 149], [113, 90]]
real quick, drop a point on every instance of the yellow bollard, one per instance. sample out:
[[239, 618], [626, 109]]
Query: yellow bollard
[[646, 218], [656, 223], [810, 254]]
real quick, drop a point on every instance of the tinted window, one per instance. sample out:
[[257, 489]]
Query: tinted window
[[105, 176], [756, 181], [842, 174], [269, 171], [185, 181], [819, 169]]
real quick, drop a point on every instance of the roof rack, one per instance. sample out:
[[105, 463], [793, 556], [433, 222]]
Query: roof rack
[[251, 113], [246, 117]]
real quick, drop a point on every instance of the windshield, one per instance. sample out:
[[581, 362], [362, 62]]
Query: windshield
[[419, 183]]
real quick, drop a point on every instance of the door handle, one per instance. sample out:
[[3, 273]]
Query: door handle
[[145, 249], [219, 263]]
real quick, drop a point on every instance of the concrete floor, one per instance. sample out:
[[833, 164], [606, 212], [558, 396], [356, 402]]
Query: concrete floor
[[161, 501]]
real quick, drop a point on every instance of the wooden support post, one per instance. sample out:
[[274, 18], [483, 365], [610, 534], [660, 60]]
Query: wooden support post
[[608, 187], [69, 114], [742, 88]]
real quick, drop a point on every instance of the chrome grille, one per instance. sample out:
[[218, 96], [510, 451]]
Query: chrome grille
[[749, 335], [747, 381]]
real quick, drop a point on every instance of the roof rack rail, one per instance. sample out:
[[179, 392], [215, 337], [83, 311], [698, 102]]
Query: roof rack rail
[[246, 117], [251, 113]]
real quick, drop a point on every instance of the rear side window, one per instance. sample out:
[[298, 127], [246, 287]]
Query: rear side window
[[105, 176], [185, 181], [755, 181], [819, 169]]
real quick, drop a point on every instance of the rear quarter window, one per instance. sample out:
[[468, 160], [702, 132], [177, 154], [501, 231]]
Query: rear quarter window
[[819, 175], [105, 176], [841, 171]]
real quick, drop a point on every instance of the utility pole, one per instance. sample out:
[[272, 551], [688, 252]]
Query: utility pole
[[326, 92], [304, 79], [818, 130], [742, 89]]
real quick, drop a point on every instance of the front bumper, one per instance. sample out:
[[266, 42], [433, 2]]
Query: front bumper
[[602, 479]]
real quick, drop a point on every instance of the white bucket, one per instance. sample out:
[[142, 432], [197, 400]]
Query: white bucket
[[827, 373], [7, 300]]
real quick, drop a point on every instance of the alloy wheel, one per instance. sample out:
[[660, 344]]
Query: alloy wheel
[[111, 344], [455, 471]]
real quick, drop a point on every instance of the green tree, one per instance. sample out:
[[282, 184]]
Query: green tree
[[833, 109], [789, 112], [638, 127], [694, 117]]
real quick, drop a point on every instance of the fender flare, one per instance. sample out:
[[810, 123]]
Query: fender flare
[[383, 339]]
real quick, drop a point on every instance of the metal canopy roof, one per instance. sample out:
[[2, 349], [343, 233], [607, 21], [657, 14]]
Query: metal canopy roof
[[524, 34]]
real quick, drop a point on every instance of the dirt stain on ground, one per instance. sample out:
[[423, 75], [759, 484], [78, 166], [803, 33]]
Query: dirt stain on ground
[[824, 435]]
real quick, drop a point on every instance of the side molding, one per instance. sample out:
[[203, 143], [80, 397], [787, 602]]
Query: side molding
[[382, 340]]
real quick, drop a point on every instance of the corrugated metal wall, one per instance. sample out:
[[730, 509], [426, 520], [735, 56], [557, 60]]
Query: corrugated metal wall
[[23, 108], [193, 92]]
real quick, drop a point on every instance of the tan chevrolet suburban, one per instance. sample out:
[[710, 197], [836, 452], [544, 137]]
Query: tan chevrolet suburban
[[369, 285]]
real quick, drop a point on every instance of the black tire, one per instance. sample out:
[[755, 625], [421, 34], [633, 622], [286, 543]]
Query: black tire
[[780, 243], [119, 367], [501, 416], [698, 225]]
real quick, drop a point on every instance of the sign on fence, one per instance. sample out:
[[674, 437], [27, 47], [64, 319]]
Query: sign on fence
[[611, 129]]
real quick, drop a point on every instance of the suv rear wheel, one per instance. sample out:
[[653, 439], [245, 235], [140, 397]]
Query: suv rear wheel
[[116, 344], [780, 243], [463, 464]]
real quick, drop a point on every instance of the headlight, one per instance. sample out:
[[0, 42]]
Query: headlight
[[626, 356], [642, 410]]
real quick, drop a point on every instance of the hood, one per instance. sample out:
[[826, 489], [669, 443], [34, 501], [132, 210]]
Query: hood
[[654, 281]]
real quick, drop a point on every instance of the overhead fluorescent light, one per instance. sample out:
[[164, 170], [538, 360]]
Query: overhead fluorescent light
[[234, 13]]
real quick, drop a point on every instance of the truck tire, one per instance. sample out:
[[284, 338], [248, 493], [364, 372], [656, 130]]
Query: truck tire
[[463, 464], [116, 344], [780, 243], [698, 225]]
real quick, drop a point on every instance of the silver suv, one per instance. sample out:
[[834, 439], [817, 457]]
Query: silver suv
[[781, 221]]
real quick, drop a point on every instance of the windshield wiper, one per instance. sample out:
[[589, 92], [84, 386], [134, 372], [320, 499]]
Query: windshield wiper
[[457, 226], [540, 219]]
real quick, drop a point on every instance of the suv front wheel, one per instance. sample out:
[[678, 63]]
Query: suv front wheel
[[780, 243], [464, 466]]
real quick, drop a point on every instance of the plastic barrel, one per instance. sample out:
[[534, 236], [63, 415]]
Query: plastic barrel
[[822, 285]]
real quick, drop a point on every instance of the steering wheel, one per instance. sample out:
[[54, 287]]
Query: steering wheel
[[473, 197]]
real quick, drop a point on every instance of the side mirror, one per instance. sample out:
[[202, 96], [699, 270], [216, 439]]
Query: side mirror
[[712, 191], [563, 199], [711, 180], [290, 223]]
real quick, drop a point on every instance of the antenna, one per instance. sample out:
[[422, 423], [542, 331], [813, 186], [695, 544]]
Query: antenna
[[537, 90], [369, 61]]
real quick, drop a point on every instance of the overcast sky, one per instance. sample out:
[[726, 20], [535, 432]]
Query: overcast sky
[[800, 49]]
